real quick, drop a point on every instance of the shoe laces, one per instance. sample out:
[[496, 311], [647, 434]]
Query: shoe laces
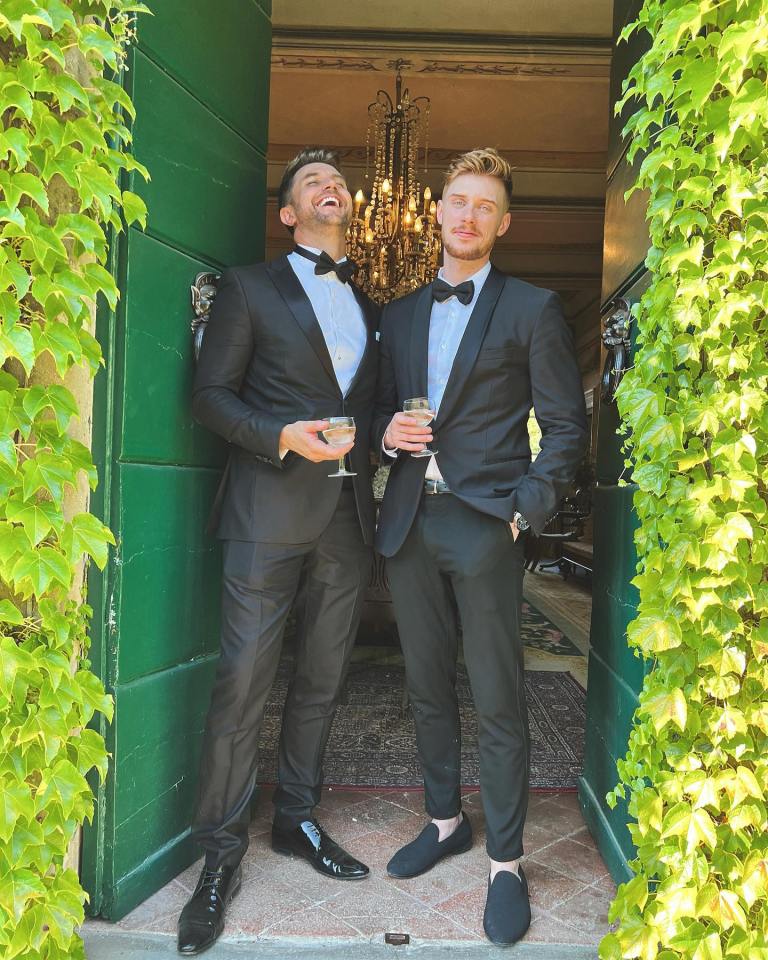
[[213, 880]]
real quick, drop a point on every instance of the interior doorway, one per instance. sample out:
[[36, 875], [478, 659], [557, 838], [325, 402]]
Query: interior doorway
[[541, 96]]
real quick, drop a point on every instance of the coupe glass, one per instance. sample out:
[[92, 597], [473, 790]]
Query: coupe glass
[[338, 433], [422, 411]]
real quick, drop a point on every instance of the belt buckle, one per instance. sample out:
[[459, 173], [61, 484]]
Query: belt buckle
[[430, 485]]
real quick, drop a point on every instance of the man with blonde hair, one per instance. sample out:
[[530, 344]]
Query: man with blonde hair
[[484, 348]]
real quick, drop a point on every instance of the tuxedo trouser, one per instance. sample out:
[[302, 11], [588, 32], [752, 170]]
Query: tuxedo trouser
[[260, 584], [456, 559]]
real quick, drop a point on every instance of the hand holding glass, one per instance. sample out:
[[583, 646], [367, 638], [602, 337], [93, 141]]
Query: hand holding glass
[[339, 433], [422, 411]]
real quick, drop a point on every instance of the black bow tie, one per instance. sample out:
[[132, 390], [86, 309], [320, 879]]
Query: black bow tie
[[464, 292], [325, 264]]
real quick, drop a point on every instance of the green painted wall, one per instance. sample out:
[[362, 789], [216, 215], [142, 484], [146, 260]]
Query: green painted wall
[[615, 674], [199, 80]]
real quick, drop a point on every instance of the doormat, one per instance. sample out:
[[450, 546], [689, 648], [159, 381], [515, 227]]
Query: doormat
[[373, 741]]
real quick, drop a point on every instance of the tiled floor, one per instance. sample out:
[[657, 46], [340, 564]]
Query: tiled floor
[[285, 898]]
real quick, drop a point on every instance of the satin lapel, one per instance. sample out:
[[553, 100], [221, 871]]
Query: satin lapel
[[420, 342], [299, 304], [471, 342]]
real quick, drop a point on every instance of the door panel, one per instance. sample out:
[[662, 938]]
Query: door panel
[[207, 55], [159, 356], [169, 569], [207, 191], [626, 241], [200, 91], [154, 781]]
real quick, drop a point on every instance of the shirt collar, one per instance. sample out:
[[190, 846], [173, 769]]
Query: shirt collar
[[317, 251]]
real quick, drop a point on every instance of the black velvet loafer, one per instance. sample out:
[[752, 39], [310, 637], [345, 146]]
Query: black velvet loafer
[[202, 920], [507, 908], [427, 849], [310, 842]]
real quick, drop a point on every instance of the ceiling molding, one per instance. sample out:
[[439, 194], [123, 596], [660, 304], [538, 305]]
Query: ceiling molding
[[418, 41], [383, 51]]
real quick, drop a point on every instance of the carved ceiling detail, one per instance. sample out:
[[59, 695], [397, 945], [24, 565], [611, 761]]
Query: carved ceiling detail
[[381, 51], [283, 61]]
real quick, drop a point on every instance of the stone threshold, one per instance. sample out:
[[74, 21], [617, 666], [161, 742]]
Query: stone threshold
[[113, 944]]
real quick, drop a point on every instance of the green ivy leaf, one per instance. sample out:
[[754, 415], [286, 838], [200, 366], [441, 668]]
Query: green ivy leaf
[[87, 535], [54, 398], [36, 570], [91, 753], [60, 341], [654, 634], [17, 888], [668, 706], [37, 518], [10, 613], [15, 803], [47, 471], [695, 827], [134, 209]]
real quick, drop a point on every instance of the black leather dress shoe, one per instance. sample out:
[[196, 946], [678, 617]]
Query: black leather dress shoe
[[427, 849], [507, 908], [202, 920], [313, 844]]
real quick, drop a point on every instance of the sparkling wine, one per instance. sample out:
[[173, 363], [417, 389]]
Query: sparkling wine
[[421, 417], [339, 436]]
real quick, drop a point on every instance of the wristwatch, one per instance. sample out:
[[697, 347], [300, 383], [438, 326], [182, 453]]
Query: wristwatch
[[520, 521]]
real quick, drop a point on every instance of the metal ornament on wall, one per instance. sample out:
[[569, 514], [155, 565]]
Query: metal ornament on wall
[[203, 292], [616, 337]]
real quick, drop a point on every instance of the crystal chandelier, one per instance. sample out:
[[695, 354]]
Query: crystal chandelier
[[394, 238]]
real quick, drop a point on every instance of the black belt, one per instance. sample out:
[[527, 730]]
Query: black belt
[[436, 486]]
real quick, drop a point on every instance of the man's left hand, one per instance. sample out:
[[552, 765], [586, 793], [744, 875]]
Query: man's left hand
[[515, 531]]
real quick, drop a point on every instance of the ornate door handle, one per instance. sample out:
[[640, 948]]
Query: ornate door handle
[[203, 292], [616, 337]]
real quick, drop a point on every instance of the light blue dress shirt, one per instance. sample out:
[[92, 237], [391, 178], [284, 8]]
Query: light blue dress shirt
[[447, 324], [338, 314]]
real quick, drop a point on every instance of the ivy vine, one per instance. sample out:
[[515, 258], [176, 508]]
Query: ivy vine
[[63, 140], [696, 409]]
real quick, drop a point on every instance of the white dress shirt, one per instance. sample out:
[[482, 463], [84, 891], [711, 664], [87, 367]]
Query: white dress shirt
[[447, 323], [338, 314]]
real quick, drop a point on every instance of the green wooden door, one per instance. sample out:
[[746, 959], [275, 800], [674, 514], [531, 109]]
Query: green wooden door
[[615, 674], [199, 80]]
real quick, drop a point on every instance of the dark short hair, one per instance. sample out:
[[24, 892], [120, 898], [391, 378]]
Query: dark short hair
[[304, 158]]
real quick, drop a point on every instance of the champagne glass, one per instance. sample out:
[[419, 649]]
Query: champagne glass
[[338, 433], [422, 411]]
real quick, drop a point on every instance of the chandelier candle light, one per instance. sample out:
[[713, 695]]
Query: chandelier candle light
[[394, 239]]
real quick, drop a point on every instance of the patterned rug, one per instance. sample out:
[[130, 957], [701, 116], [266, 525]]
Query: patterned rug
[[373, 744], [541, 634]]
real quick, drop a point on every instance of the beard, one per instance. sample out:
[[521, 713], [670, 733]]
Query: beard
[[320, 217], [477, 252]]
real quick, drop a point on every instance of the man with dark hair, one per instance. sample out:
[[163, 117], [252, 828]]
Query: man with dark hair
[[483, 348], [289, 344]]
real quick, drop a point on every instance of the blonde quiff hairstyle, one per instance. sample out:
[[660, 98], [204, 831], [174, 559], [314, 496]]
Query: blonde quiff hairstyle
[[484, 161]]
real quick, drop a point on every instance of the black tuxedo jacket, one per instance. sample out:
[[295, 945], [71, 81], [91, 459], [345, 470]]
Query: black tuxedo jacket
[[264, 363], [516, 353]]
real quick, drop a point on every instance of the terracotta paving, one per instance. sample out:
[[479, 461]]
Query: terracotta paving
[[285, 898]]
